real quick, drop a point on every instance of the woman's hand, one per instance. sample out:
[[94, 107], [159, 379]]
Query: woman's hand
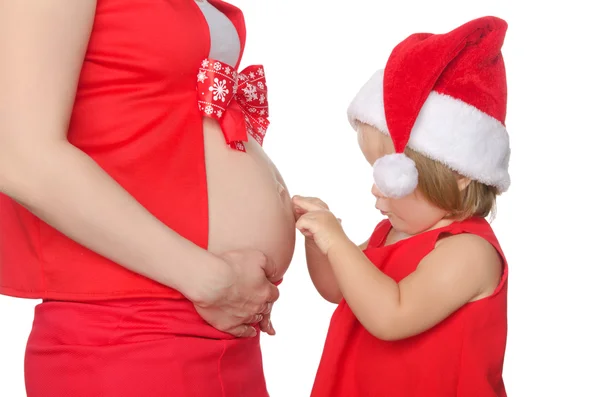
[[239, 295], [316, 222]]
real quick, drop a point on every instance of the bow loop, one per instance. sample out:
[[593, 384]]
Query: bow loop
[[252, 96], [235, 100]]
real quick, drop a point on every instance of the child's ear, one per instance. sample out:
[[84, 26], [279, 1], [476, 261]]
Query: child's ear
[[463, 182]]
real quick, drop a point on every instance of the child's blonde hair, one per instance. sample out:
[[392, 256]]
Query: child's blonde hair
[[439, 185]]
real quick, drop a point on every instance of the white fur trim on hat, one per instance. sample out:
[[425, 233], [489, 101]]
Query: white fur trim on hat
[[395, 175], [463, 138], [367, 105], [447, 130]]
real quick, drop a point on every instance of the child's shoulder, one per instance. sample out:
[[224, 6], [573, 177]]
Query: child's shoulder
[[468, 245], [468, 257], [472, 241]]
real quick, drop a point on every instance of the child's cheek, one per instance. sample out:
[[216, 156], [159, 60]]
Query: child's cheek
[[372, 153], [364, 148]]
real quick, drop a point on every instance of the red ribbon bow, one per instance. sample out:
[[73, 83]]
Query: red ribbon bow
[[237, 100]]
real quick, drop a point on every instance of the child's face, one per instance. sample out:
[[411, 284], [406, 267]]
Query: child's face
[[410, 214]]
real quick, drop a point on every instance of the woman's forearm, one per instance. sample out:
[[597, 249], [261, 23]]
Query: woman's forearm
[[68, 190], [40, 169]]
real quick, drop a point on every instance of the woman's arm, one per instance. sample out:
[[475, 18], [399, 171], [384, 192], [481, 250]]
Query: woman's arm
[[42, 47]]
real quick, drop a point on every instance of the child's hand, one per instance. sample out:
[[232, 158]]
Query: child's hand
[[313, 202], [315, 221]]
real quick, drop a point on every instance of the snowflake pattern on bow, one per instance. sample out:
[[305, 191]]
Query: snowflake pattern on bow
[[250, 92], [219, 89], [219, 84]]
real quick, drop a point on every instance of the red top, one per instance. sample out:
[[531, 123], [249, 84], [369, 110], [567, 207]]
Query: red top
[[136, 114], [460, 357]]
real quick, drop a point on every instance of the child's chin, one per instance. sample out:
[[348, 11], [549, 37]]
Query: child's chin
[[401, 227], [398, 224]]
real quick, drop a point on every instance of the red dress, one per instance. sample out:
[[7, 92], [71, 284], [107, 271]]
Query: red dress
[[103, 331], [460, 357], [136, 115]]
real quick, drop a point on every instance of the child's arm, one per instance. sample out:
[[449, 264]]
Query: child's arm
[[460, 269], [319, 268], [321, 272]]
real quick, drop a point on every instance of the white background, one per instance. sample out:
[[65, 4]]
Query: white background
[[317, 55]]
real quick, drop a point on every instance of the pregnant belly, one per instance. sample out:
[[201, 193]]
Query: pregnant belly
[[249, 206]]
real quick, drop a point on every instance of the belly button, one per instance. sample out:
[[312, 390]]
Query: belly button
[[280, 188]]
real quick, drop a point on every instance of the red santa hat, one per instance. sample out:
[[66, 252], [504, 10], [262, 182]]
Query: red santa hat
[[444, 96]]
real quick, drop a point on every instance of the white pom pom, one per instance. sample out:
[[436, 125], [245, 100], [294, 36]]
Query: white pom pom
[[395, 175]]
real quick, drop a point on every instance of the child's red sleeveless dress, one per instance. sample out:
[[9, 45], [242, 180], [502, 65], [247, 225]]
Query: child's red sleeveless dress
[[103, 331], [460, 357]]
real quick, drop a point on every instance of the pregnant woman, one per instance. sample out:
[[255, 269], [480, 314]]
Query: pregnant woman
[[136, 200]]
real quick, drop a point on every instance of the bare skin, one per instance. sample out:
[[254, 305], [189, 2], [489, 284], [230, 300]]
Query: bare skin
[[246, 190], [460, 269], [249, 205], [39, 168]]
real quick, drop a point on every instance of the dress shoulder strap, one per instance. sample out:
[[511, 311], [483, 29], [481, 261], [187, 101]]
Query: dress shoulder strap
[[380, 234]]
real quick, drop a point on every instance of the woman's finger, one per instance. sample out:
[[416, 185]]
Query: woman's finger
[[268, 308], [254, 319], [266, 325], [243, 331]]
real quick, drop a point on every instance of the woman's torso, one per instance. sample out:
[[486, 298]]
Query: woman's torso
[[248, 205], [136, 115], [461, 356]]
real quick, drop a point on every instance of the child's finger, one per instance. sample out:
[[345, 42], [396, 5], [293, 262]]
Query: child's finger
[[318, 202], [299, 210], [307, 233], [315, 201], [306, 204], [304, 225]]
